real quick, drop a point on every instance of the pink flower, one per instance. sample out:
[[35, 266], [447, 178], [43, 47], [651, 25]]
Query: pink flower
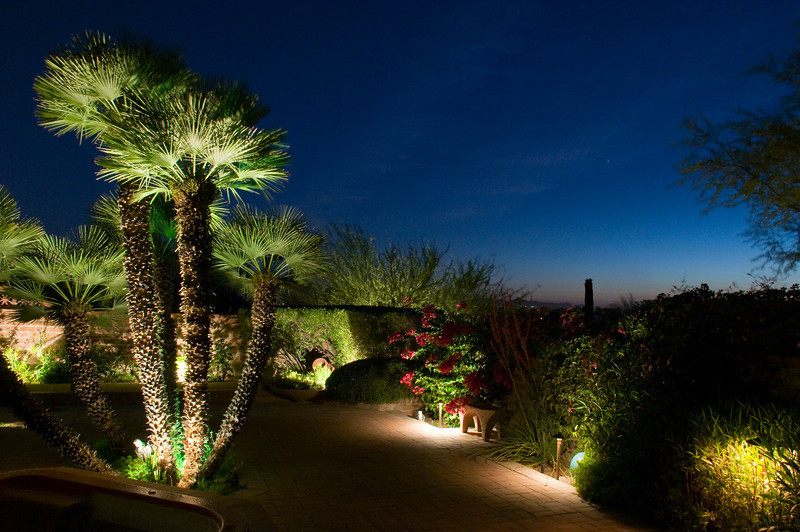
[[423, 339], [447, 366], [408, 353], [449, 331], [461, 304], [475, 383], [407, 378], [456, 405]]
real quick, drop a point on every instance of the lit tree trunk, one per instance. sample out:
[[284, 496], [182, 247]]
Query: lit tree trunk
[[166, 287], [145, 325], [85, 380], [194, 255], [48, 427], [263, 316]]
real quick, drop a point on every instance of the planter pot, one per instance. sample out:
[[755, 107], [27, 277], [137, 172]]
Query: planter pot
[[296, 395], [63, 498]]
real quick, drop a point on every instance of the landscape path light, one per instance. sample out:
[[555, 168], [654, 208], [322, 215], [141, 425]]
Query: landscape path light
[[558, 459]]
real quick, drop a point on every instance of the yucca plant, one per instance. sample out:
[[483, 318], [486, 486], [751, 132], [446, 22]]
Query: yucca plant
[[260, 253], [66, 280]]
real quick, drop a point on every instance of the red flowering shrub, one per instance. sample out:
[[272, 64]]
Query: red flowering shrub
[[452, 355]]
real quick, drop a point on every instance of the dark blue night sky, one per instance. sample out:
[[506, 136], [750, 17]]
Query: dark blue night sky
[[540, 134]]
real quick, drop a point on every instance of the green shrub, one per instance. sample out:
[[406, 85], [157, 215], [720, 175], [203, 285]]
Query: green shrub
[[307, 380], [371, 380], [342, 335], [221, 363], [299, 331], [52, 369], [635, 392], [741, 469], [114, 363], [371, 327]]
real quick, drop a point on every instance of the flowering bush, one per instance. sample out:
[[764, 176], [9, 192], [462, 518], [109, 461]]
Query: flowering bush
[[454, 367]]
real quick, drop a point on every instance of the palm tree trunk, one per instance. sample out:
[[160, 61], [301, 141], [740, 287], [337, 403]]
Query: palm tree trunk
[[28, 409], [263, 315], [86, 381], [194, 255], [145, 325], [166, 286]]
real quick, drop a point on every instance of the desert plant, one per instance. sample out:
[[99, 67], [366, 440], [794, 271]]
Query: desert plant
[[398, 276], [94, 87], [260, 253], [66, 280]]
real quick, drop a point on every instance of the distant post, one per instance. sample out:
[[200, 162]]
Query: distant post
[[588, 301]]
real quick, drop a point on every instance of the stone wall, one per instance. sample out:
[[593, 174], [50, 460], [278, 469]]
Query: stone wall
[[112, 331]]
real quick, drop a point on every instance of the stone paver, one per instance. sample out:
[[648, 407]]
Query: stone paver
[[311, 466]]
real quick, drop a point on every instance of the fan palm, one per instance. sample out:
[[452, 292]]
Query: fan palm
[[17, 236], [67, 280], [84, 85], [190, 149], [36, 417], [106, 213], [260, 253], [163, 132]]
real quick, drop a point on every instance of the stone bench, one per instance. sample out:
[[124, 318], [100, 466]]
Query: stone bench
[[485, 419]]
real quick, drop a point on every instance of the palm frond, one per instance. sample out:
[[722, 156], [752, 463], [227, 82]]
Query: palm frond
[[275, 245]]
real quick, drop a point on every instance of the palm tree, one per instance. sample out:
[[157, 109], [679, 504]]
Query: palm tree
[[106, 213], [260, 254], [36, 417], [67, 280], [18, 236], [190, 149], [84, 85], [163, 132]]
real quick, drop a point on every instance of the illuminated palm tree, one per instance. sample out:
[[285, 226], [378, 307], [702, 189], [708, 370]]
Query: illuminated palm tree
[[190, 149], [67, 280], [260, 254], [18, 236], [163, 233], [162, 132], [84, 85], [36, 418]]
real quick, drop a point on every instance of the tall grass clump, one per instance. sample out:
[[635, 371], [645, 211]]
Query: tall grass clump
[[522, 340]]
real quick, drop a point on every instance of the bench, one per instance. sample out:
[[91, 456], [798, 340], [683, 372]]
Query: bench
[[485, 419]]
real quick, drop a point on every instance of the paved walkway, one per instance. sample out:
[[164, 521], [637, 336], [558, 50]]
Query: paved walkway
[[331, 467]]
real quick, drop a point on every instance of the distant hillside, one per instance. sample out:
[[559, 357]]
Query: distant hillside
[[546, 304]]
